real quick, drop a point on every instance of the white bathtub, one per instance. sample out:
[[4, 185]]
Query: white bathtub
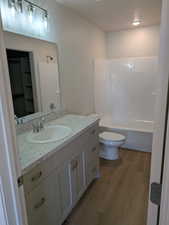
[[139, 133]]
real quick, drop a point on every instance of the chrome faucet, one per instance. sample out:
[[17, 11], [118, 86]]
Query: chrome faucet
[[35, 128], [39, 125], [16, 119]]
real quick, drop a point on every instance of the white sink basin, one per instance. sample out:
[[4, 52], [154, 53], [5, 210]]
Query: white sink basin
[[49, 134]]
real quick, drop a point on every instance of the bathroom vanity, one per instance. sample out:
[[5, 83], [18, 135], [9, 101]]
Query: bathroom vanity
[[59, 158], [56, 174]]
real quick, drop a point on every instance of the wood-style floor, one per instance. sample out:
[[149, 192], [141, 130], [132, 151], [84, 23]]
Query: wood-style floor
[[120, 196]]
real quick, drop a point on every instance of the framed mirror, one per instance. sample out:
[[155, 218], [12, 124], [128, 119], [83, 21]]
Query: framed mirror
[[33, 75]]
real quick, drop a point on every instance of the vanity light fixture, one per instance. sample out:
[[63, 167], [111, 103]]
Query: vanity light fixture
[[17, 6], [136, 23]]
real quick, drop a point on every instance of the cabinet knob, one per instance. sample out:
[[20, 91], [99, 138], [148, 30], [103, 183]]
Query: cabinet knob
[[37, 176], [93, 132], [74, 164], [94, 149], [40, 203]]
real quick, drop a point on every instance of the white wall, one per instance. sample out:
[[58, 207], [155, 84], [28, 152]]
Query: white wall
[[79, 43], [140, 42], [40, 48]]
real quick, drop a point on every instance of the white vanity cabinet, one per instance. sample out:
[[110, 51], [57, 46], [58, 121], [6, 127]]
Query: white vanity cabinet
[[53, 187]]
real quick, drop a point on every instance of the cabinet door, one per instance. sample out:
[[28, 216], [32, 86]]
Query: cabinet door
[[43, 203], [65, 190], [77, 177], [91, 164], [92, 171]]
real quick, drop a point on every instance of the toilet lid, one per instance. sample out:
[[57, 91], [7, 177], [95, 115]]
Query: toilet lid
[[110, 136]]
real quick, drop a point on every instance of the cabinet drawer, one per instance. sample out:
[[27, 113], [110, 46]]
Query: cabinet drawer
[[43, 203], [92, 154], [92, 138], [38, 173], [33, 178], [88, 138]]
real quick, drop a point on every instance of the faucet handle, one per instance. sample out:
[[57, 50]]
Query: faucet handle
[[41, 125], [41, 122], [43, 119], [17, 119], [35, 127], [52, 106]]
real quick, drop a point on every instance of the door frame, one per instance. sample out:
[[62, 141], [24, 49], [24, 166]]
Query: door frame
[[164, 207], [158, 215], [12, 202]]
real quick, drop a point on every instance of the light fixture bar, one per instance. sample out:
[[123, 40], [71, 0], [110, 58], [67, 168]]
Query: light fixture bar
[[13, 3], [36, 6]]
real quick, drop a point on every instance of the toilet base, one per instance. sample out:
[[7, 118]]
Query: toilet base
[[109, 152]]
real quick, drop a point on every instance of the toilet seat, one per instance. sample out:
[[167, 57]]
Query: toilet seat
[[111, 137]]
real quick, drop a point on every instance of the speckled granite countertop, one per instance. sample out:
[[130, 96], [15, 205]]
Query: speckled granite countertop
[[32, 154]]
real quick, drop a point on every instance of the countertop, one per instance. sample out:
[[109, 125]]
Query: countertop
[[32, 154]]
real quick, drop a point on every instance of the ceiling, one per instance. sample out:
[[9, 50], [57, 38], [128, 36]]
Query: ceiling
[[115, 15]]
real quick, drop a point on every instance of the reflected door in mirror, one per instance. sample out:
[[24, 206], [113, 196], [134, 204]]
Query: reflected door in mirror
[[21, 82]]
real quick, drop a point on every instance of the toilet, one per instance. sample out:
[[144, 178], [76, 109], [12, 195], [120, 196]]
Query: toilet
[[110, 145]]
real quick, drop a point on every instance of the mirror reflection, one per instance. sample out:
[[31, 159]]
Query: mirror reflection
[[34, 75], [22, 87]]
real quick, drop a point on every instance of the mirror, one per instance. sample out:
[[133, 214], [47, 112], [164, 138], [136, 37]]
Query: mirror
[[34, 76]]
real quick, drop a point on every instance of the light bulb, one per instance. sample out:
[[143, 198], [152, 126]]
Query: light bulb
[[45, 20], [45, 24], [19, 6], [30, 17], [12, 7], [30, 12], [13, 11]]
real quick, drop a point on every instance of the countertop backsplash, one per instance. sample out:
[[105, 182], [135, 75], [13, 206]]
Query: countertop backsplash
[[27, 124]]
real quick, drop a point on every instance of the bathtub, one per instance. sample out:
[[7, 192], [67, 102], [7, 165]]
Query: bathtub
[[139, 133]]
